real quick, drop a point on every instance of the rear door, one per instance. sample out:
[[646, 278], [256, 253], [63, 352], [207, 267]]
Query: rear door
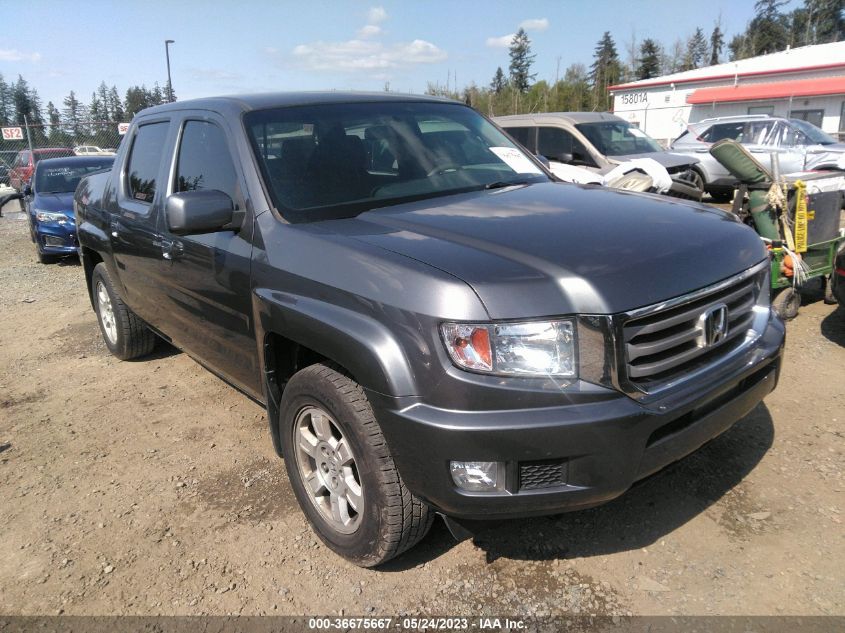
[[205, 278], [137, 205]]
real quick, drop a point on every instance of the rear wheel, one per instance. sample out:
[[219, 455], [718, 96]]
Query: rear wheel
[[124, 333], [341, 470]]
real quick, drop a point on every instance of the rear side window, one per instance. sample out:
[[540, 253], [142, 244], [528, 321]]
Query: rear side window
[[721, 131], [145, 160], [204, 160]]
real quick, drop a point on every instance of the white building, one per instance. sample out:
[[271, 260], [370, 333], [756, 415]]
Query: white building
[[806, 83]]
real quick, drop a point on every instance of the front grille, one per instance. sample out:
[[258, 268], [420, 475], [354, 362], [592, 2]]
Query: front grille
[[663, 344], [544, 474]]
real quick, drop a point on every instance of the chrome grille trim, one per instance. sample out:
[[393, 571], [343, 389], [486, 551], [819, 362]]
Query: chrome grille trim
[[667, 343]]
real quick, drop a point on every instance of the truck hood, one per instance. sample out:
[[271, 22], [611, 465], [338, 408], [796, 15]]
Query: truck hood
[[667, 159], [557, 248]]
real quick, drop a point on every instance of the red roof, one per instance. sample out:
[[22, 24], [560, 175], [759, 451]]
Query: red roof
[[774, 90]]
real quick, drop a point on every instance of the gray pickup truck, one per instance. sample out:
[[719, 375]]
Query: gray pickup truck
[[434, 325]]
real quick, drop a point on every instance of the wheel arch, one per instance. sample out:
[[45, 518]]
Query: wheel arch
[[294, 332]]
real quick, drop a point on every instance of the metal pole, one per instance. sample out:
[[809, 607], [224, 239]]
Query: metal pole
[[167, 44], [28, 136]]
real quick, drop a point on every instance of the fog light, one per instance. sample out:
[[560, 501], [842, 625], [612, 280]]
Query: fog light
[[478, 476], [53, 241]]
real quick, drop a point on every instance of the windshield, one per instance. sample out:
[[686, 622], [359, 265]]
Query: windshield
[[816, 136], [65, 178], [338, 160], [618, 138]]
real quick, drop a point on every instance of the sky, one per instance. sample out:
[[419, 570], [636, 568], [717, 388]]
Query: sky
[[249, 46]]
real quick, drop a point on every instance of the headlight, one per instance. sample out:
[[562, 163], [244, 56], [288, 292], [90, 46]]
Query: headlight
[[533, 348], [46, 216]]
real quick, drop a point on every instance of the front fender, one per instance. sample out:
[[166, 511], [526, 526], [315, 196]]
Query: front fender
[[365, 347]]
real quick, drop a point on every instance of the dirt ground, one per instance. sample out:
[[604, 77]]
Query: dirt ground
[[151, 487]]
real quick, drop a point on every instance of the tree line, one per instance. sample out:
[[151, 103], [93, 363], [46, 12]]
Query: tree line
[[580, 88], [75, 121]]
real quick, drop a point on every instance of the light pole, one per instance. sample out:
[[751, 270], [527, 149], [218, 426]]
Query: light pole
[[167, 44]]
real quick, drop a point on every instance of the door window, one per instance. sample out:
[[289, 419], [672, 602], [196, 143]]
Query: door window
[[523, 135], [810, 116], [145, 160], [553, 141], [204, 160]]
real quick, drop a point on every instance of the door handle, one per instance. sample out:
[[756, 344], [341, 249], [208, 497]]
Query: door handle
[[170, 249]]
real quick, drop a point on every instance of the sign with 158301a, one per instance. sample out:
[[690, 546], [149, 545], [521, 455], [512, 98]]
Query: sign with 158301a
[[12, 134]]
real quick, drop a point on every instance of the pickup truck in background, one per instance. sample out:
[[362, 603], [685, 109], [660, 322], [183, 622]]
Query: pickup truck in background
[[434, 324]]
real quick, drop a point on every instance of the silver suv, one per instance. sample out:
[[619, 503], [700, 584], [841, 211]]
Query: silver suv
[[799, 146]]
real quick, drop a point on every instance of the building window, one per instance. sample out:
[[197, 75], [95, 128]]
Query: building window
[[769, 109], [810, 116], [842, 121]]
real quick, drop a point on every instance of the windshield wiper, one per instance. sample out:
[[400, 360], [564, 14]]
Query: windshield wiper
[[498, 184]]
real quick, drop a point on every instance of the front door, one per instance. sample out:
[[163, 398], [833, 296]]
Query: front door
[[206, 277]]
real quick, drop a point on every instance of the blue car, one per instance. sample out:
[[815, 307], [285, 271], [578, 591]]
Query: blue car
[[49, 203]]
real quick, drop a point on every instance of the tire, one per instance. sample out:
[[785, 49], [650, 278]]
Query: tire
[[697, 180], [43, 258], [389, 519], [125, 334], [787, 303]]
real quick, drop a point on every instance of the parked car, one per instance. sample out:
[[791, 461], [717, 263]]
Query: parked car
[[21, 172], [91, 150], [799, 146], [598, 141], [433, 324], [49, 203]]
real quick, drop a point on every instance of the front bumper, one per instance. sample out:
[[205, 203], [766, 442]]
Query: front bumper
[[580, 455], [56, 239]]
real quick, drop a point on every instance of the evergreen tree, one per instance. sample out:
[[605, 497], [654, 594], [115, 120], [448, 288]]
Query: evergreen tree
[[137, 98], [521, 60], [156, 96], [499, 82], [739, 47], [649, 62], [95, 110], [6, 109], [53, 116], [72, 115], [24, 108], [826, 21], [768, 31], [115, 106], [604, 72], [717, 41], [696, 51]]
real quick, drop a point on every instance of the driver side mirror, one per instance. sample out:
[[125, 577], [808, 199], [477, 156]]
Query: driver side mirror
[[563, 157], [27, 189], [202, 211]]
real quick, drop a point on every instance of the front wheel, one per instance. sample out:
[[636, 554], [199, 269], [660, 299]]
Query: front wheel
[[124, 333], [341, 470]]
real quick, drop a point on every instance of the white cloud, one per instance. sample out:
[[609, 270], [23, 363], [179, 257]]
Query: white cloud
[[361, 55], [14, 55], [503, 41], [535, 24], [370, 30], [376, 15]]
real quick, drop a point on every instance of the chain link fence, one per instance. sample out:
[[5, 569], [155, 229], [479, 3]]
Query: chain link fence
[[86, 138]]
